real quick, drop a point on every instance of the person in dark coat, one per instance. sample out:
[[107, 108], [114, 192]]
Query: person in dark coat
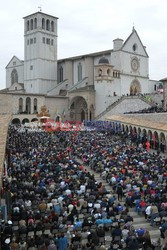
[[120, 192]]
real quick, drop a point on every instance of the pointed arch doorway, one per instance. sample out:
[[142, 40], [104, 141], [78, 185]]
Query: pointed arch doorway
[[135, 87], [79, 109]]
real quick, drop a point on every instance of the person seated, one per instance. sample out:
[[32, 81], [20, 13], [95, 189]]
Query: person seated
[[140, 232], [116, 232], [100, 231], [163, 228]]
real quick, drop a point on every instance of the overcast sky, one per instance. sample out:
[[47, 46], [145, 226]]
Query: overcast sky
[[86, 26]]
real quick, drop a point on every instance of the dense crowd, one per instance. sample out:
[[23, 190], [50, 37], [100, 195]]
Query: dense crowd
[[55, 203], [153, 109]]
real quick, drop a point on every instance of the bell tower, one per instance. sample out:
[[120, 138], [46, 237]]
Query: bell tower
[[40, 52]]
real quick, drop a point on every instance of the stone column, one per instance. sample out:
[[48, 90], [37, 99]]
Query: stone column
[[164, 81], [24, 104]]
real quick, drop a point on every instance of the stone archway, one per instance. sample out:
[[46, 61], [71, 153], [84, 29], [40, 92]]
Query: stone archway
[[162, 142], [135, 87], [155, 139], [79, 109], [25, 120], [28, 105], [34, 120], [16, 121]]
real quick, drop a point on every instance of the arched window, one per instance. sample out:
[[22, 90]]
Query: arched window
[[43, 23], [20, 105], [108, 72], [35, 105], [28, 25], [61, 74], [35, 23], [100, 72], [14, 76], [32, 24], [28, 105], [52, 26], [79, 72], [47, 25]]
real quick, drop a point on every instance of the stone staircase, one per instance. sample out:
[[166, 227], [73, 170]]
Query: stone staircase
[[80, 84], [139, 220], [111, 106], [122, 98]]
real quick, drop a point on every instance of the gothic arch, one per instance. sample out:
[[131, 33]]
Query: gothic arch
[[28, 105], [79, 72], [35, 23], [52, 26], [14, 76], [135, 87], [78, 109], [47, 25], [31, 24], [60, 74], [43, 23], [28, 25]]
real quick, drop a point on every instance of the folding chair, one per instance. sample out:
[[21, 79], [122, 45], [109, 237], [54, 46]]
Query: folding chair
[[108, 239], [101, 239], [30, 233], [38, 233]]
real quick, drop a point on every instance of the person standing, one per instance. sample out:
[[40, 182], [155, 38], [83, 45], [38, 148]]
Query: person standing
[[62, 242], [120, 192]]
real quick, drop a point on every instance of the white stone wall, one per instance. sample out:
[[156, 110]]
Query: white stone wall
[[40, 64], [5, 103], [15, 101], [134, 39], [15, 63], [116, 59], [126, 81], [130, 104], [126, 64], [75, 70], [104, 95], [57, 106]]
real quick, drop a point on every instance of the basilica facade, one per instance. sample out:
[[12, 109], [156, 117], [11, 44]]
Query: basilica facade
[[76, 88]]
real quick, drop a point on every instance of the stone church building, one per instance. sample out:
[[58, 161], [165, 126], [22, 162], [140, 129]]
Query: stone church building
[[89, 86]]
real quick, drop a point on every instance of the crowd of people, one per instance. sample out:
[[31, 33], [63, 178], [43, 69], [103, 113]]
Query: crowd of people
[[153, 109], [55, 203]]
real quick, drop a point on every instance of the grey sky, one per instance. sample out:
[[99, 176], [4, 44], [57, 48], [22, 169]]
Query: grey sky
[[86, 26]]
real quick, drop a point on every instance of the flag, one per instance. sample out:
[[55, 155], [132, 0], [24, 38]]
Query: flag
[[63, 113]]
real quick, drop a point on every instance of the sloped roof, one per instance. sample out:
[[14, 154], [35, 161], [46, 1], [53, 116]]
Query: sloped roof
[[134, 31], [140, 122], [12, 59]]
